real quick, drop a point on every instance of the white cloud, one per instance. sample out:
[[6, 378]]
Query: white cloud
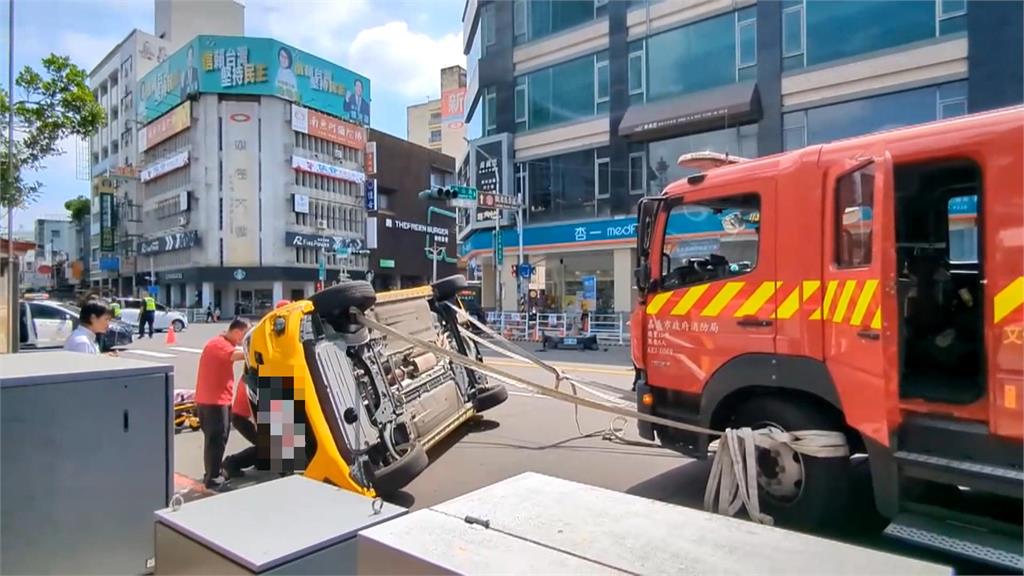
[[318, 27], [86, 50], [397, 59]]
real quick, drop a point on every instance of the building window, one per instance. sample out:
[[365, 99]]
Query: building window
[[952, 16], [601, 82], [700, 56], [637, 169], [490, 111], [855, 194], [541, 18], [793, 34], [435, 136], [519, 9], [563, 93], [522, 97], [885, 112], [661, 156], [603, 178], [746, 44], [488, 31], [637, 72], [892, 23], [435, 117], [962, 214]]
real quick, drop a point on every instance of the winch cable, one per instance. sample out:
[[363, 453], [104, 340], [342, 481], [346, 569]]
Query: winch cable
[[733, 479]]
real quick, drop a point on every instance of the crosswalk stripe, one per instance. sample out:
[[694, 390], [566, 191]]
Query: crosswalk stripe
[[150, 353], [184, 349]]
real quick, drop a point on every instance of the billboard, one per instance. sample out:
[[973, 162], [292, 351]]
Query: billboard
[[453, 107], [256, 66], [241, 171], [106, 222], [168, 125], [327, 127]]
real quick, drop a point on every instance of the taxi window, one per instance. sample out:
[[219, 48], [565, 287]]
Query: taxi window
[[711, 240]]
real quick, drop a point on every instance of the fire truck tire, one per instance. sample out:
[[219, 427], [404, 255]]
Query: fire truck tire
[[447, 288], [812, 495], [398, 474], [490, 397]]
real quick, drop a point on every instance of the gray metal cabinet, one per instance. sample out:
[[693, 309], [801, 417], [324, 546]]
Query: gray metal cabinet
[[86, 456]]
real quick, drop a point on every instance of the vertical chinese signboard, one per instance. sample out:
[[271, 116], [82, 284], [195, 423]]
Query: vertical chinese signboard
[[453, 107], [241, 186], [103, 189], [370, 159]]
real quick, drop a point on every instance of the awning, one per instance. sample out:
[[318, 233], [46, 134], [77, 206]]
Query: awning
[[712, 109]]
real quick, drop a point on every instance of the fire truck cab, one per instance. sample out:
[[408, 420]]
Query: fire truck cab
[[873, 286]]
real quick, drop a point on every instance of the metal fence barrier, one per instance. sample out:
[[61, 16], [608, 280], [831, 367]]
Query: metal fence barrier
[[610, 329]]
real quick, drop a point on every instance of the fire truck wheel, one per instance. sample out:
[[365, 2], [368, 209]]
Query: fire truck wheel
[[447, 288], [490, 397], [797, 490], [395, 476]]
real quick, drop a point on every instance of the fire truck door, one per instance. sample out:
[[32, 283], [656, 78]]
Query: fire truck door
[[858, 311], [716, 292]]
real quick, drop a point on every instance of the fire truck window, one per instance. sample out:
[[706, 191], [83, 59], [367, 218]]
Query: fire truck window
[[711, 240], [963, 229], [854, 207]]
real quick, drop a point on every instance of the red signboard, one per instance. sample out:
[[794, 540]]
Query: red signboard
[[453, 105]]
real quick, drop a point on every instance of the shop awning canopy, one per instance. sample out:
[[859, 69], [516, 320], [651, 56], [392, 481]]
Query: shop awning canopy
[[712, 109]]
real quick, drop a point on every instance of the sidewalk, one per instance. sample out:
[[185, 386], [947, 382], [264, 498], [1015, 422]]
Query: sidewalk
[[616, 358]]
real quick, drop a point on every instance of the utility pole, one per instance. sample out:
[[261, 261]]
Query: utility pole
[[12, 315]]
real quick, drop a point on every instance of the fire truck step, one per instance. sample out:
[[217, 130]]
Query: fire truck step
[[985, 477], [978, 545]]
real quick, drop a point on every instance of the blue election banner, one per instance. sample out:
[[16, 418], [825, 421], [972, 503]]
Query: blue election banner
[[256, 66]]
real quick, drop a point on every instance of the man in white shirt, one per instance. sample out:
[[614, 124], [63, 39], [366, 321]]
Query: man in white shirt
[[92, 321]]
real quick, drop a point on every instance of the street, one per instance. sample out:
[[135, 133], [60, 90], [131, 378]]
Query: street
[[529, 432]]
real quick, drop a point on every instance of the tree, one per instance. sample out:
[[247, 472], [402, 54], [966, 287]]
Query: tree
[[78, 208], [55, 104]]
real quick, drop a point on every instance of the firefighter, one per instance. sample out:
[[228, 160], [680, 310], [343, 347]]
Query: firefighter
[[147, 315]]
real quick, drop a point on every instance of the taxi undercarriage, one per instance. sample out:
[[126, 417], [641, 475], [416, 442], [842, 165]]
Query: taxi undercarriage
[[347, 405]]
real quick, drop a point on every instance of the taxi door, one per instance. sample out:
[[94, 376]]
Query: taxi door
[[714, 293], [858, 311]]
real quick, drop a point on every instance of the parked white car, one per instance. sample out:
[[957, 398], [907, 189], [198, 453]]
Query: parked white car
[[164, 319], [46, 324]]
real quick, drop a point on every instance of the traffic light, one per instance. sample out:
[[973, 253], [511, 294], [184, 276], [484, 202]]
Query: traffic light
[[449, 193]]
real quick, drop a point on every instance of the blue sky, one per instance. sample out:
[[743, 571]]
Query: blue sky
[[400, 45]]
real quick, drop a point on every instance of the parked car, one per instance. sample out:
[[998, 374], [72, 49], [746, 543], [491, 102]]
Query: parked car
[[165, 317], [48, 324]]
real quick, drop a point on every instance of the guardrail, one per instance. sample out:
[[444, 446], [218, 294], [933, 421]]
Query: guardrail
[[612, 329]]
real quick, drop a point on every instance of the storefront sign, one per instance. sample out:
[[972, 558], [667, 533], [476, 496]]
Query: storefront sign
[[335, 244], [500, 201], [397, 224], [106, 222], [385, 263], [173, 275], [177, 120], [169, 243], [255, 66], [370, 159], [241, 184], [453, 107], [161, 167], [327, 127], [110, 263], [329, 170], [371, 195], [300, 203], [126, 172]]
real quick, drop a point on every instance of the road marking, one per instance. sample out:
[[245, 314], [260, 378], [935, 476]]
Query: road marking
[[150, 353], [572, 367], [184, 349]]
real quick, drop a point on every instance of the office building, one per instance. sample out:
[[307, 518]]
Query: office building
[[179, 21], [583, 107], [412, 239], [440, 124], [248, 196]]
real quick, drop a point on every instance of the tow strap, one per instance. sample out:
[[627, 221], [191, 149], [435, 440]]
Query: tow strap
[[733, 480]]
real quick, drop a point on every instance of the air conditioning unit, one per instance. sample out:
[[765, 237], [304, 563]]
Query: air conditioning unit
[[321, 224], [182, 220]]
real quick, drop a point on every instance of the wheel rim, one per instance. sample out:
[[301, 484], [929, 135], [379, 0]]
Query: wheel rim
[[178, 325], [780, 470]]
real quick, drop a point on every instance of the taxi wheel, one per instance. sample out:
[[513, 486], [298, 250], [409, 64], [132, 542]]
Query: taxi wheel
[[395, 476], [490, 397], [340, 298], [797, 490], [447, 288]]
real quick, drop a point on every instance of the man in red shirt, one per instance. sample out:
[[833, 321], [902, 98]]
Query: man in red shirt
[[243, 420], [214, 386]]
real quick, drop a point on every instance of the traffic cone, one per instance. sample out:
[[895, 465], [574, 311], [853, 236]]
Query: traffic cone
[[172, 338]]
